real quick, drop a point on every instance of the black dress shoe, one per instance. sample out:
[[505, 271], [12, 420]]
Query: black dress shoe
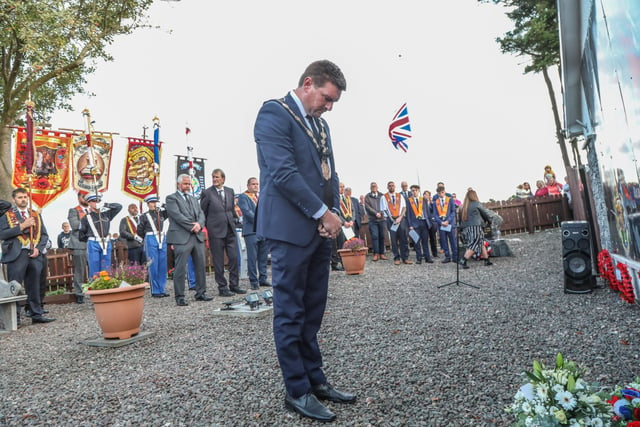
[[337, 267], [267, 284], [41, 319], [238, 290], [79, 299], [428, 261], [163, 295], [308, 406], [327, 392], [204, 298], [254, 287], [226, 293], [181, 302], [419, 262], [446, 260], [27, 312]]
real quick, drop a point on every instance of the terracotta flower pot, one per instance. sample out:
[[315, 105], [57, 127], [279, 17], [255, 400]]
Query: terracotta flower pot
[[353, 261], [119, 310]]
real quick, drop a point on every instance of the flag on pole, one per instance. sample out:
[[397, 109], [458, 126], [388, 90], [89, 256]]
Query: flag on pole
[[400, 129], [187, 131]]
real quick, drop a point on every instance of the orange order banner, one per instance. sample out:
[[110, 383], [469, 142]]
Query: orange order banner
[[86, 178], [50, 177], [139, 178]]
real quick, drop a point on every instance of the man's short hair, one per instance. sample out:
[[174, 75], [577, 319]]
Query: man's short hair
[[181, 177], [220, 171], [132, 204], [251, 179], [415, 186], [323, 71], [17, 191], [439, 189]]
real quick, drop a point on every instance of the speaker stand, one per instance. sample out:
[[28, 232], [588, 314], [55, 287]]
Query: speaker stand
[[458, 282]]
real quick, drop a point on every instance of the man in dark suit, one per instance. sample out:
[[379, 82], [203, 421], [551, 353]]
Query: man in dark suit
[[218, 205], [256, 246], [129, 232], [186, 222], [297, 214], [24, 239], [79, 248], [419, 221]]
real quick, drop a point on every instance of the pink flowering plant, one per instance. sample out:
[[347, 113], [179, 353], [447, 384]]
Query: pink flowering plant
[[354, 244], [120, 276], [559, 397]]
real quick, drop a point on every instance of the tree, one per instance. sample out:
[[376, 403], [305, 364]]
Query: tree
[[535, 35], [47, 47]]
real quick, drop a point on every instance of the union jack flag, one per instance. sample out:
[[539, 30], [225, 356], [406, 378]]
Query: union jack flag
[[400, 129]]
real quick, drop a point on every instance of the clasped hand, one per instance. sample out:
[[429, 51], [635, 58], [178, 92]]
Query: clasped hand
[[329, 225]]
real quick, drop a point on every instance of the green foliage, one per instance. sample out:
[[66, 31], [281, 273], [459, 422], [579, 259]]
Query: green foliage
[[535, 33], [48, 46]]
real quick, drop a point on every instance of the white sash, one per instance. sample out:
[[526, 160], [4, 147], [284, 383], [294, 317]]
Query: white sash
[[102, 240], [159, 236]]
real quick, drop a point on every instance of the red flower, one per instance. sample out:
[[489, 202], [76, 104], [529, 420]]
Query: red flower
[[613, 399], [633, 423], [636, 413]]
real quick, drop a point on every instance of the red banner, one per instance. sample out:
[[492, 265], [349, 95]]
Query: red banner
[[139, 177], [51, 167]]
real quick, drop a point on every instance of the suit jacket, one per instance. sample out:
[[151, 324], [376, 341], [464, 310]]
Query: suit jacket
[[75, 219], [220, 215], [358, 211], [413, 220], [182, 215], [248, 208], [451, 212], [11, 246], [372, 206], [127, 235], [292, 185]]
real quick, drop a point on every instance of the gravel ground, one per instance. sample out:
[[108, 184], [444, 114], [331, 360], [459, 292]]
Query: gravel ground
[[414, 353]]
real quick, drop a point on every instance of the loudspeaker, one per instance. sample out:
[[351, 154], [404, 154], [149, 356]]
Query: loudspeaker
[[576, 257]]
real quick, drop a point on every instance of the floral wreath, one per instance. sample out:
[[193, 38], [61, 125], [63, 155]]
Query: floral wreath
[[625, 286], [606, 269]]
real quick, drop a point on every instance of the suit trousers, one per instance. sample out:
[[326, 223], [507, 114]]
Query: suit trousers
[[79, 270], [300, 282], [378, 230], [399, 244], [449, 244], [27, 270], [98, 259], [136, 255], [422, 246], [433, 238], [158, 266], [194, 248], [219, 246], [256, 259]]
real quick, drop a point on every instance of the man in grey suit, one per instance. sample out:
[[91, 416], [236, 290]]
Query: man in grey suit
[[218, 205], [186, 222], [79, 248]]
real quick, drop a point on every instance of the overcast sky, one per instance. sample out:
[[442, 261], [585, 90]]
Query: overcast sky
[[477, 120]]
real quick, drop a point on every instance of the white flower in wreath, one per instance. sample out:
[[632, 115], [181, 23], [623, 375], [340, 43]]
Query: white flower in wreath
[[540, 410], [526, 407], [561, 377], [557, 388], [596, 422], [574, 423], [542, 390], [566, 400]]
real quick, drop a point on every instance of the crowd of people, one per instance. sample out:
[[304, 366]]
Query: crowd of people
[[302, 216], [548, 186]]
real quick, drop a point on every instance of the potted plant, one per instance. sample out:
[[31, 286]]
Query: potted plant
[[353, 254], [118, 300]]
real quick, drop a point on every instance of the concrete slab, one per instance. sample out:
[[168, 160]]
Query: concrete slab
[[102, 342]]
